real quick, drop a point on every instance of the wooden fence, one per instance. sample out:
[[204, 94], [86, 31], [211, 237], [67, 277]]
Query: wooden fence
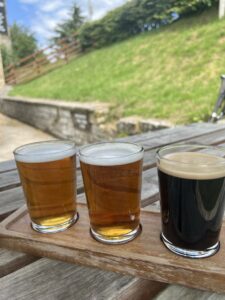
[[42, 61]]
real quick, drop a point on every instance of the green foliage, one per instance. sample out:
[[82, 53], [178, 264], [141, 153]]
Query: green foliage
[[23, 42], [70, 26], [7, 56], [135, 17], [172, 73], [184, 7]]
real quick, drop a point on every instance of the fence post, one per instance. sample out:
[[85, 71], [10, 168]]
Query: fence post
[[65, 53], [36, 63], [13, 70]]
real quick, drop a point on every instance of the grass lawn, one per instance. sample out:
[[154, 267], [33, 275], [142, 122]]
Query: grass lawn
[[172, 73]]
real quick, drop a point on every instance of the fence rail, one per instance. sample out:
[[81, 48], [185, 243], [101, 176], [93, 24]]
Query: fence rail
[[42, 61]]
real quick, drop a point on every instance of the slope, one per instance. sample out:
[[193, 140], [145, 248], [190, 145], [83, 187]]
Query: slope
[[172, 73]]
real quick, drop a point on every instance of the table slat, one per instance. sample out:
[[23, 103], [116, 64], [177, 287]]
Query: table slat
[[10, 200], [176, 133], [6, 166], [174, 292], [11, 261], [49, 279]]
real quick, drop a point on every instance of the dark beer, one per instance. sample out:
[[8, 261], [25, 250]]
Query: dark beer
[[112, 180], [47, 173], [192, 199]]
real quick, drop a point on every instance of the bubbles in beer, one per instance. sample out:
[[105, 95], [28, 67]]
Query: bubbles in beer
[[193, 165], [44, 151], [110, 154]]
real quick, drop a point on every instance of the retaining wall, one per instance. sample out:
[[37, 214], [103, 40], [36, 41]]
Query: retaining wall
[[83, 123]]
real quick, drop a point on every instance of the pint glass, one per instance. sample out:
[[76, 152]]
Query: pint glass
[[48, 175], [192, 194], [112, 174]]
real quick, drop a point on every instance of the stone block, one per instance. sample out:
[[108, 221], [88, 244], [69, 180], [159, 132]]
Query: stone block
[[128, 125], [82, 120], [154, 124]]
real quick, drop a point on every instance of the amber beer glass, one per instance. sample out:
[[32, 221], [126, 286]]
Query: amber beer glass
[[192, 196], [48, 175], [112, 174]]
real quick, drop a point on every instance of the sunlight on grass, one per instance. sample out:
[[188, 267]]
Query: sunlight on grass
[[172, 73]]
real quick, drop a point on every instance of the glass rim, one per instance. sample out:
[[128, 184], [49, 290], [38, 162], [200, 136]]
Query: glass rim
[[17, 152], [197, 146], [140, 150]]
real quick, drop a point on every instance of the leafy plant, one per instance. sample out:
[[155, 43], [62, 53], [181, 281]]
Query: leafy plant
[[23, 42], [135, 17], [70, 26]]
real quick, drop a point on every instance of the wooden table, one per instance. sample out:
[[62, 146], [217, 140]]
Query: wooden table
[[27, 277]]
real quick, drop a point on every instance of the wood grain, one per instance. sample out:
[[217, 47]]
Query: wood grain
[[7, 166], [180, 292], [150, 188], [10, 200], [9, 180], [176, 133], [186, 136], [140, 289], [11, 261], [48, 279], [144, 257]]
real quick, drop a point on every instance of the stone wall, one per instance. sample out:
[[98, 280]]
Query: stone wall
[[83, 123]]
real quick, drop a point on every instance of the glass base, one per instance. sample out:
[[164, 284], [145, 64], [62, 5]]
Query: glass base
[[55, 228], [190, 253], [122, 239]]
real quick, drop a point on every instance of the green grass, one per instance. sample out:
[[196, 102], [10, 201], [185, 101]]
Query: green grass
[[172, 73]]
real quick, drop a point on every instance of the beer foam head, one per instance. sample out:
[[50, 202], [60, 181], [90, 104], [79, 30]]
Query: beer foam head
[[192, 165], [110, 154], [44, 151]]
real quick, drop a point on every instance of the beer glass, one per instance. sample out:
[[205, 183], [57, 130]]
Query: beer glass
[[112, 174], [48, 175], [192, 197]]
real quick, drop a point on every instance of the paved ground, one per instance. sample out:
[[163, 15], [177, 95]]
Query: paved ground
[[14, 134]]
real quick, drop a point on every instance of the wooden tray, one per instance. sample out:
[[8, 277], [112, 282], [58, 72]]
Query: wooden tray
[[144, 257]]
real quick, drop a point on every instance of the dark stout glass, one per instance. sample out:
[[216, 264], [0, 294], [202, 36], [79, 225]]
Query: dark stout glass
[[192, 202], [112, 179], [48, 175]]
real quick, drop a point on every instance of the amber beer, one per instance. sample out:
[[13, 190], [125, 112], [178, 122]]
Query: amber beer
[[48, 175], [112, 175], [192, 192]]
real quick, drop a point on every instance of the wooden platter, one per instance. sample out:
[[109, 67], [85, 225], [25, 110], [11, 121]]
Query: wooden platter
[[144, 257]]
